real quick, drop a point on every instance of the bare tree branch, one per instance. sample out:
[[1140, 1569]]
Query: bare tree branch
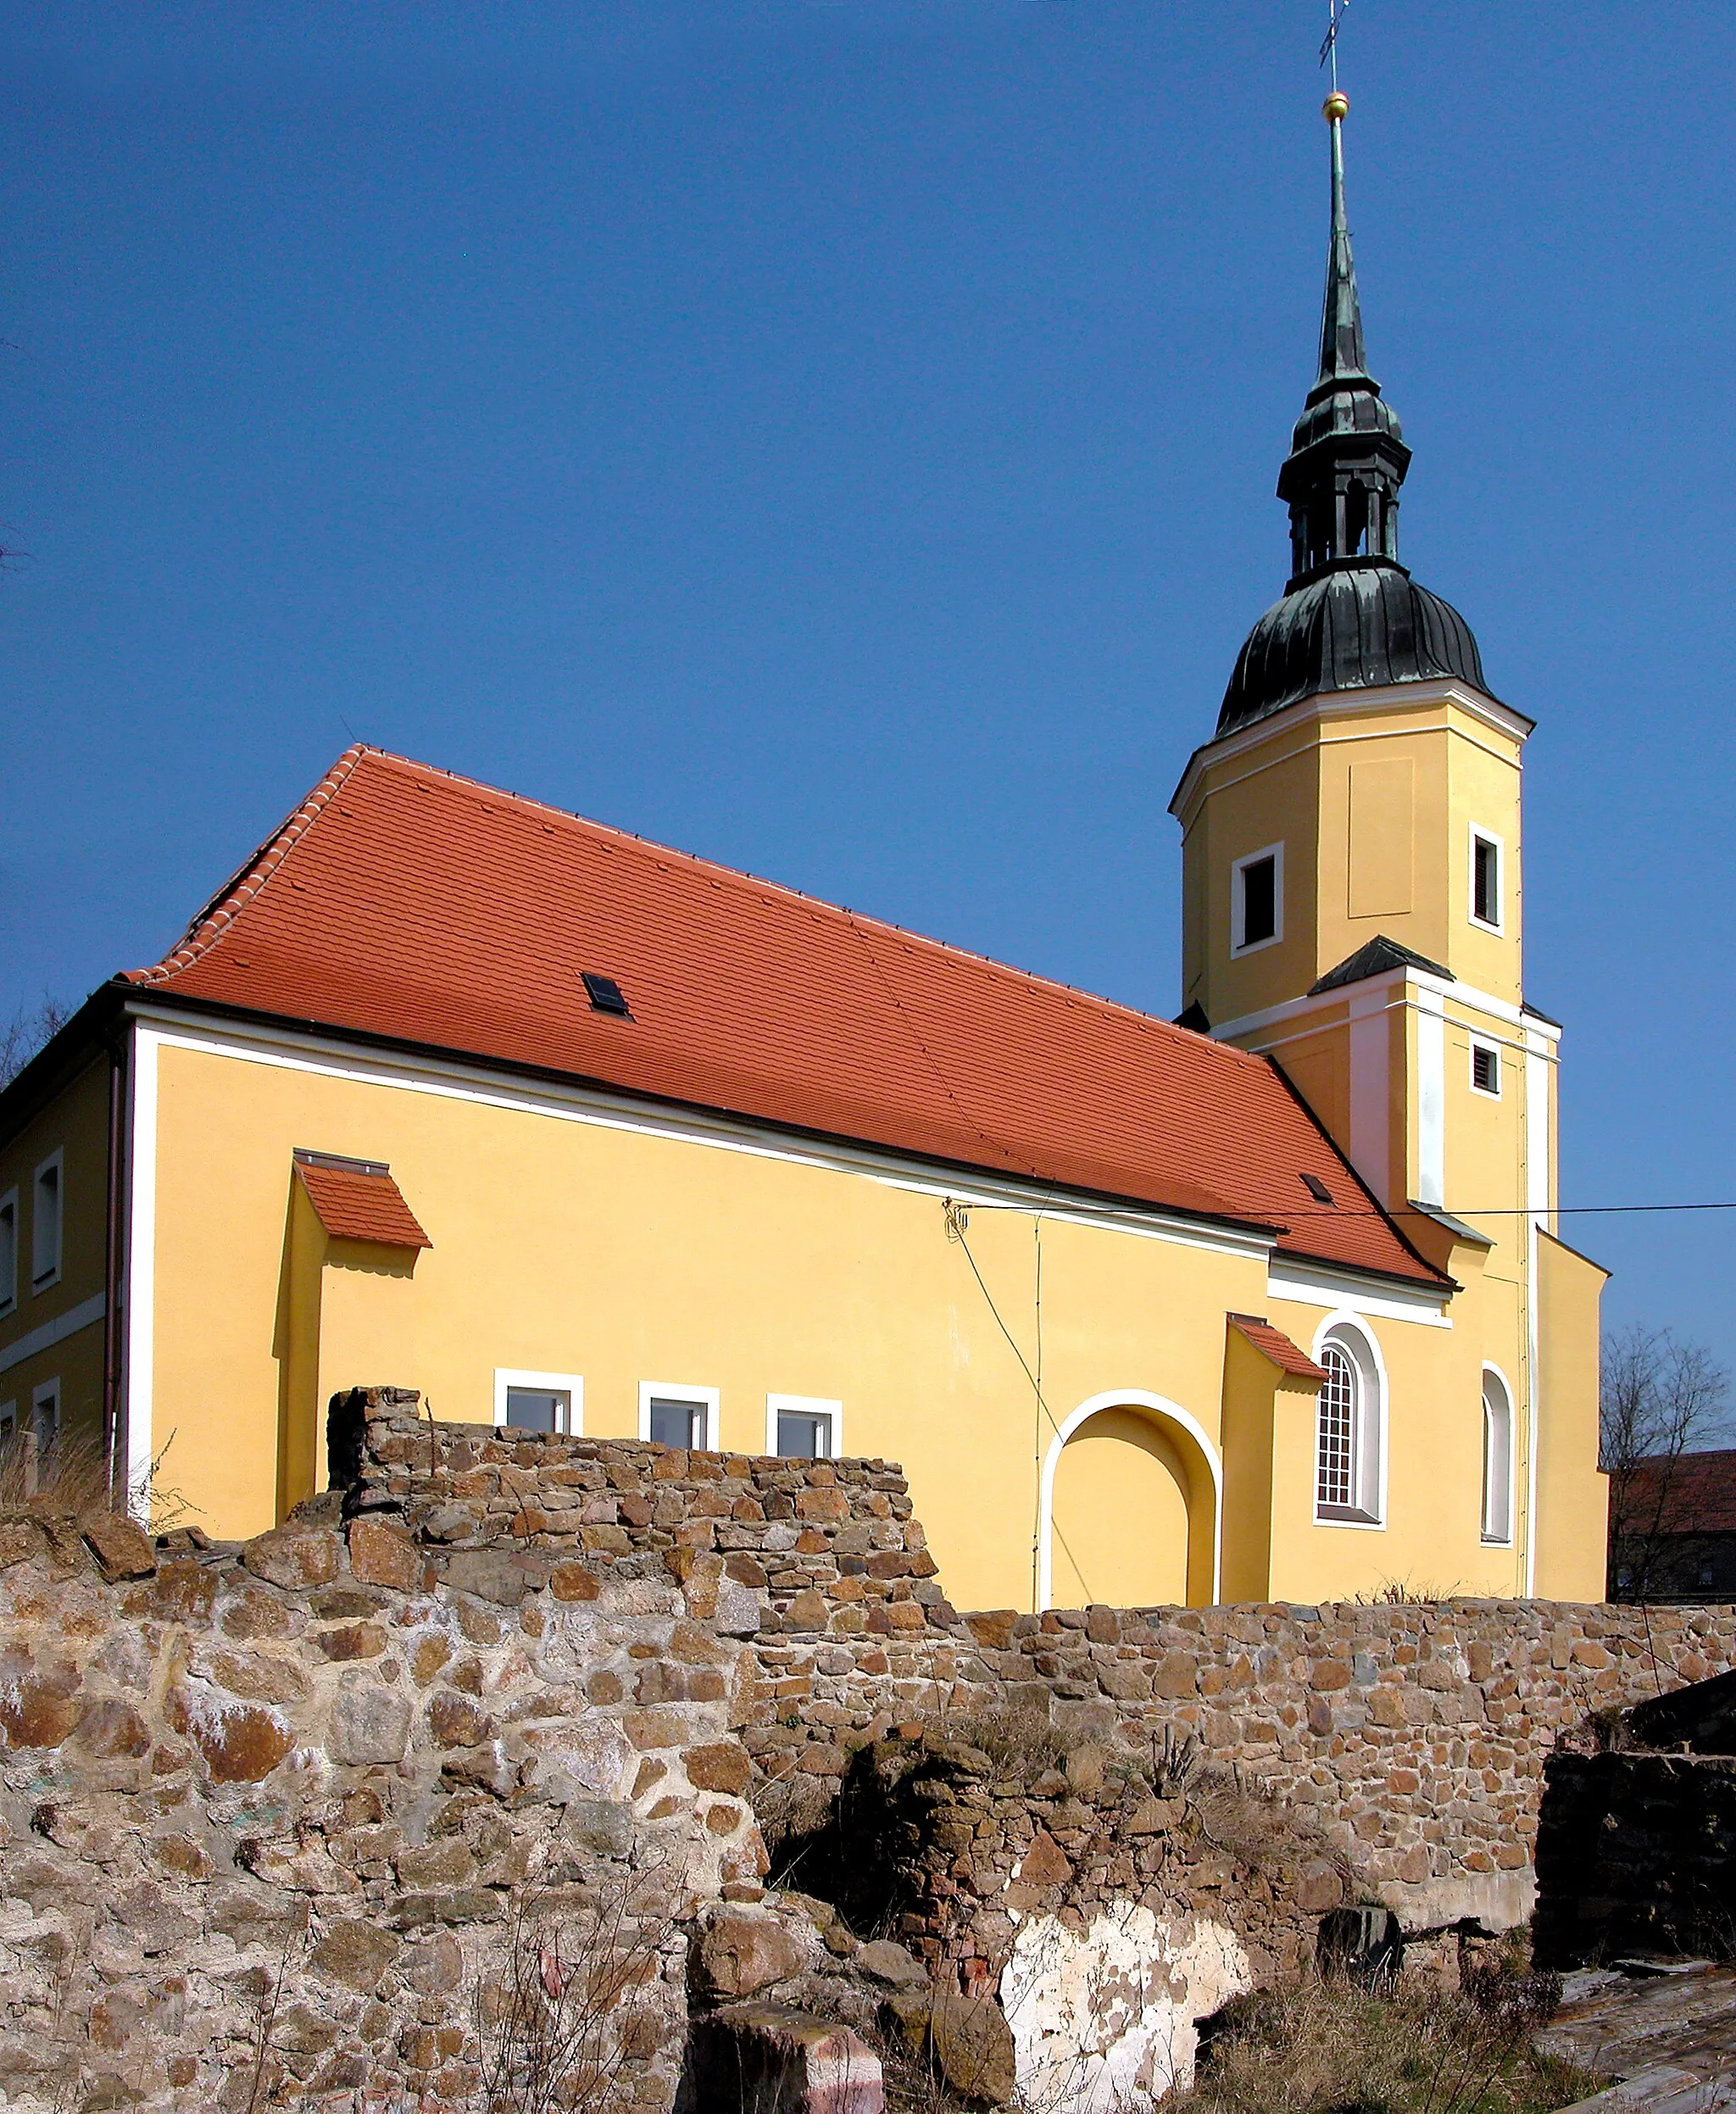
[[1659, 1399], [27, 1030]]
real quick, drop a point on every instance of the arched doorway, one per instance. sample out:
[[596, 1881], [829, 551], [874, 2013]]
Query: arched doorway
[[1129, 1507]]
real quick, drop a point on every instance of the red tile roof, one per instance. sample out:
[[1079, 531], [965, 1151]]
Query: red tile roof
[[356, 1204], [1273, 1343], [1697, 1493], [401, 903]]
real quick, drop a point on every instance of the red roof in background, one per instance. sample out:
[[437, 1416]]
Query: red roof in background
[[1698, 1494], [403, 903], [360, 1203], [1273, 1343]]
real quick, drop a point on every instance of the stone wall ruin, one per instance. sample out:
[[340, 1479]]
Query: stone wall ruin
[[290, 1822]]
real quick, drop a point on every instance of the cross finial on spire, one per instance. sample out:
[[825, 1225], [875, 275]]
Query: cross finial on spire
[[1329, 43]]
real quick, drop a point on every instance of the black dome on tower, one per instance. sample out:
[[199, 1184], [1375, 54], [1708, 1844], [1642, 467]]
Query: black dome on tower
[[1351, 617]]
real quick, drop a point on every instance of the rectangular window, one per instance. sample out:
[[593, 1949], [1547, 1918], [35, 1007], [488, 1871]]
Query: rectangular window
[[45, 1414], [804, 1427], [537, 1409], [1486, 1070], [8, 1421], [670, 1415], [8, 1251], [1256, 899], [45, 1224], [1486, 879], [549, 1402], [676, 1423]]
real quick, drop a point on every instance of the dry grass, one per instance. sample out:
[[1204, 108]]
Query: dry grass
[[569, 2018], [71, 1477], [1403, 1593], [67, 1478], [1255, 1826], [1021, 1742], [1328, 2047]]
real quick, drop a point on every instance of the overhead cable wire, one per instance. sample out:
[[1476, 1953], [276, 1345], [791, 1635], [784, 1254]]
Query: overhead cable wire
[[958, 1231]]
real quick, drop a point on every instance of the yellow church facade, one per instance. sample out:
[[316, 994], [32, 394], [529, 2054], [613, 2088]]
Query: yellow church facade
[[446, 1090]]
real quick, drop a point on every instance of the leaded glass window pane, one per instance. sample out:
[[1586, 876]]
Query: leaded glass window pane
[[1335, 1482]]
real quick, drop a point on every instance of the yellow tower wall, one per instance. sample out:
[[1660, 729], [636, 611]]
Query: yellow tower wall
[[1570, 1563]]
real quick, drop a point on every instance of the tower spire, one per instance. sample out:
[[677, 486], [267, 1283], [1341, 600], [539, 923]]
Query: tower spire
[[1350, 616], [1341, 353], [1348, 457]]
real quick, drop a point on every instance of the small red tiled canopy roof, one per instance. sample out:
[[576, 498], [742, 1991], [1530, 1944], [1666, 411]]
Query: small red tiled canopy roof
[[401, 903], [358, 1200], [1693, 1493], [1273, 1343]]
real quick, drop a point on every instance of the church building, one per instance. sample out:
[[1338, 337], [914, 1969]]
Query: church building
[[450, 1090]]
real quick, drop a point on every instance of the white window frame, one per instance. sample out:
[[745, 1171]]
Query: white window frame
[[45, 1392], [1493, 1049], [804, 1405], [1494, 1378], [8, 1278], [1352, 1335], [1238, 946], [675, 1391], [40, 1281], [1499, 923], [571, 1384]]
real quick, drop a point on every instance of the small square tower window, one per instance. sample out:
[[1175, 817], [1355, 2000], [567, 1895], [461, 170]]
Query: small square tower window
[[1486, 879], [1486, 1070], [1257, 900]]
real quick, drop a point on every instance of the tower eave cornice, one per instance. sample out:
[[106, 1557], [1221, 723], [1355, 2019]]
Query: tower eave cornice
[[1396, 697]]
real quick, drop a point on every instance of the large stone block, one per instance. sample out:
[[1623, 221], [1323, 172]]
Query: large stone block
[[742, 1952], [381, 1554], [779, 2060], [356, 1954], [121, 1545], [721, 1767], [370, 1722], [294, 1556], [38, 1699], [241, 1743]]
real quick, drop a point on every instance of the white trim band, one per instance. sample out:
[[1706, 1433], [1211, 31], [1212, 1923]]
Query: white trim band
[[55, 1332]]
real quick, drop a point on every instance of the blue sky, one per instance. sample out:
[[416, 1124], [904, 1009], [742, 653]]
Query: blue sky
[[837, 437]]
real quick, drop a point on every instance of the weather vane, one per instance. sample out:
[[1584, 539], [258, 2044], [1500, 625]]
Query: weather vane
[[1329, 43]]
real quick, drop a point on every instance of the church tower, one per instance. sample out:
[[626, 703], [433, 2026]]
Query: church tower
[[1353, 885], [1352, 859]]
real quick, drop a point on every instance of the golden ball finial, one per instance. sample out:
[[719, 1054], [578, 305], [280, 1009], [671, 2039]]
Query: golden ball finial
[[1336, 107]]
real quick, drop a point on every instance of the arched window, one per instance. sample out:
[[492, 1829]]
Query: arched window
[[1347, 1455], [1497, 1459]]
